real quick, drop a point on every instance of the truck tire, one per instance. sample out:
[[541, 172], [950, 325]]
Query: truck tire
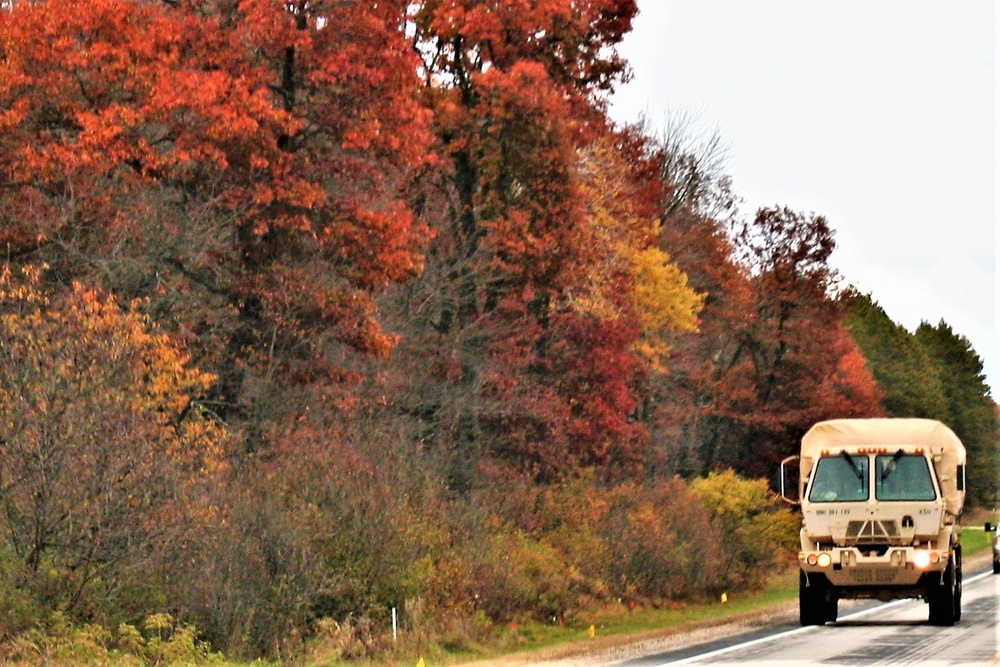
[[958, 583], [832, 604], [817, 600], [942, 597]]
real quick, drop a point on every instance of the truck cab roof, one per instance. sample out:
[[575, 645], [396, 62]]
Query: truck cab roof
[[880, 435]]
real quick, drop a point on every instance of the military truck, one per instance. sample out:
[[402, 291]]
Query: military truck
[[881, 501]]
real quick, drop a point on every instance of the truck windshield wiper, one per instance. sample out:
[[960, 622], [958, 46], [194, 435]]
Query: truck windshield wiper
[[891, 465], [847, 457]]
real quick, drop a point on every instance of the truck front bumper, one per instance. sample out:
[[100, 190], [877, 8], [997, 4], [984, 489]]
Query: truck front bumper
[[847, 567]]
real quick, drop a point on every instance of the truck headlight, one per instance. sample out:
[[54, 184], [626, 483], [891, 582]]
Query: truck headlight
[[921, 559], [823, 559]]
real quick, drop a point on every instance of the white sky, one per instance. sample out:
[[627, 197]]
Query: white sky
[[878, 114]]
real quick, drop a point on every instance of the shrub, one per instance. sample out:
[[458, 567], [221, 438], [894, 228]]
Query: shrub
[[662, 543], [759, 530], [530, 577], [103, 444], [59, 642], [19, 610]]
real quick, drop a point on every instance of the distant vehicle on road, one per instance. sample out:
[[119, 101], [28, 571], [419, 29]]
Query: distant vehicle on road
[[996, 552]]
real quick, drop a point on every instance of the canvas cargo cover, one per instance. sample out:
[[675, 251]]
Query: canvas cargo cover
[[939, 440]]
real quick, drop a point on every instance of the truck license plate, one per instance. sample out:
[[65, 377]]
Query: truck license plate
[[872, 576]]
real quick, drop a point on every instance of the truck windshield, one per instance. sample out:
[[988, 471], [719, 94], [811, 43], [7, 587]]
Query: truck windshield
[[903, 477], [841, 478]]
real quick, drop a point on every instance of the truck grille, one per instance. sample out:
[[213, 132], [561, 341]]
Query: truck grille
[[872, 532]]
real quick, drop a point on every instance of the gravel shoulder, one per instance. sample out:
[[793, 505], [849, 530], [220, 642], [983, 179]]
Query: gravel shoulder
[[609, 650]]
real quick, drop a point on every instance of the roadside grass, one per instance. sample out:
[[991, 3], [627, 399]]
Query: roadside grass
[[620, 620], [633, 624], [618, 623], [975, 539]]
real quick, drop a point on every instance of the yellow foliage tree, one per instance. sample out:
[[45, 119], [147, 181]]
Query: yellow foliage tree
[[663, 301], [632, 262]]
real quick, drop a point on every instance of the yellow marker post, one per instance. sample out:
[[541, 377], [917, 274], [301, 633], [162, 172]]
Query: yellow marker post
[[725, 598], [592, 632], [420, 663]]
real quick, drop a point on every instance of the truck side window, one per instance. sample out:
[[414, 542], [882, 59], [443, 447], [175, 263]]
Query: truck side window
[[903, 477], [840, 479]]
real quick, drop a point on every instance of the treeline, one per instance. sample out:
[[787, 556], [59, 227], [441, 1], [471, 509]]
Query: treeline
[[312, 309], [934, 373]]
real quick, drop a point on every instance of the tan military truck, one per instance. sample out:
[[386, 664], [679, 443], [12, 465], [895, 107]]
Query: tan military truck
[[881, 501]]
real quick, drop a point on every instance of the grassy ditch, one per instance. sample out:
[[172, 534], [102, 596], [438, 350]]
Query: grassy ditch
[[601, 628]]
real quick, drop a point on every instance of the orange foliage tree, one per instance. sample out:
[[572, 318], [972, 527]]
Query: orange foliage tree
[[241, 164], [103, 443], [804, 366], [781, 358]]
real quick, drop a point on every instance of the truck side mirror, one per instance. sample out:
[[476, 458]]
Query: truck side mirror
[[788, 481]]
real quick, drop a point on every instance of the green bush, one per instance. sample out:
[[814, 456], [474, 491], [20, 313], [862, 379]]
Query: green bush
[[19, 610], [533, 577], [162, 642]]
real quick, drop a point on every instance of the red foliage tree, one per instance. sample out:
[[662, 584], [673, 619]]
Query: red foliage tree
[[773, 355], [515, 89], [240, 163], [794, 361]]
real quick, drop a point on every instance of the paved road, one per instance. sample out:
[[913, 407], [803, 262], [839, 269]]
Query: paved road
[[895, 633]]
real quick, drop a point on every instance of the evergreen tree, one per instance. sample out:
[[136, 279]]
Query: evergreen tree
[[971, 412], [907, 373], [933, 373]]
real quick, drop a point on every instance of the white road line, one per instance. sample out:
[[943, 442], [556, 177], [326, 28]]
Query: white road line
[[797, 631]]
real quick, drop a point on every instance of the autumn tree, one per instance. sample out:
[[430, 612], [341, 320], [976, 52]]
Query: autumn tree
[[516, 92], [632, 277], [804, 366], [104, 445], [631, 272], [240, 164], [242, 170], [695, 205], [773, 357]]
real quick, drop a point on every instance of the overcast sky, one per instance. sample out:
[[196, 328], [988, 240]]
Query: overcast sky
[[878, 114]]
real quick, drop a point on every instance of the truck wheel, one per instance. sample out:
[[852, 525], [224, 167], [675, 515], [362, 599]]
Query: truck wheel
[[832, 603], [941, 596], [817, 602], [958, 584]]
